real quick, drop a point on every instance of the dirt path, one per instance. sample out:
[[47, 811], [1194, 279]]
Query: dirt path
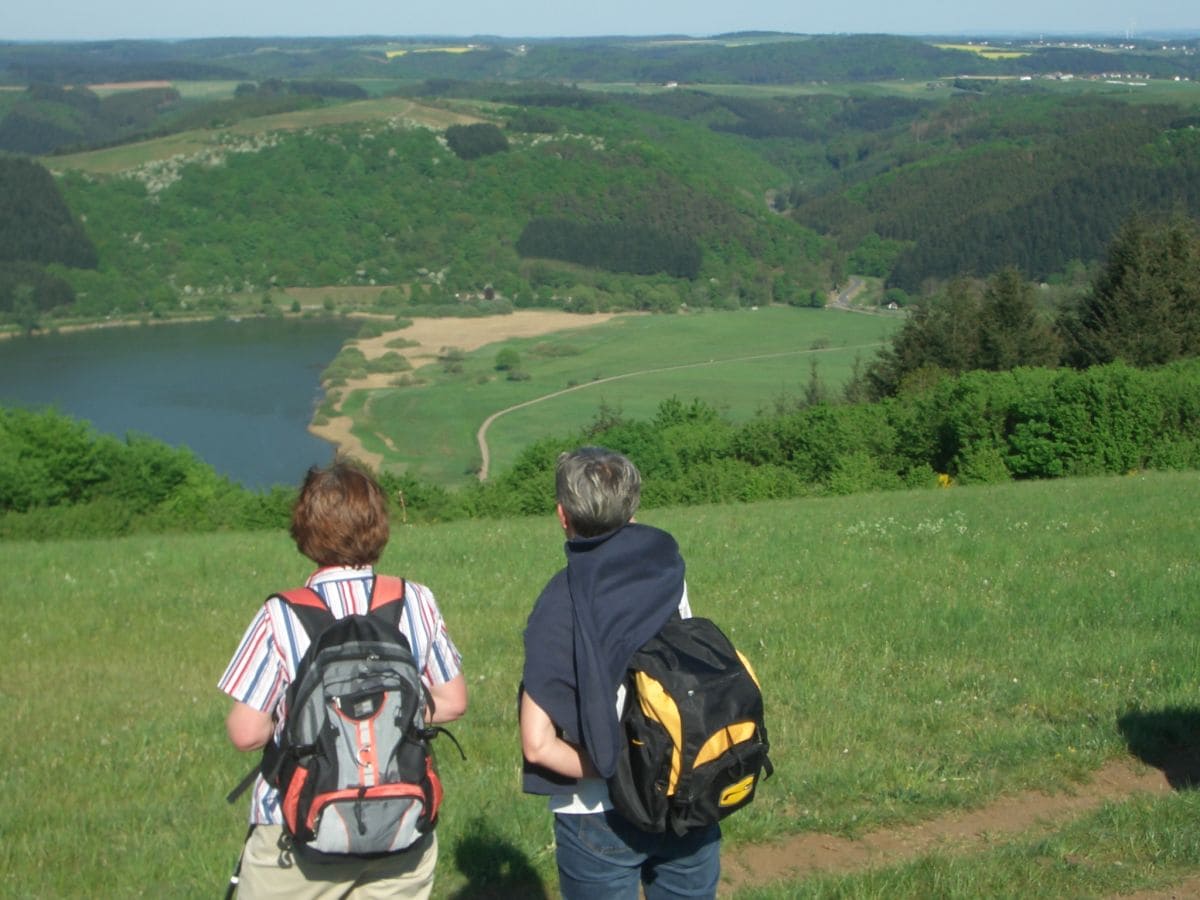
[[844, 299], [429, 337], [1188, 889], [811, 854], [481, 434]]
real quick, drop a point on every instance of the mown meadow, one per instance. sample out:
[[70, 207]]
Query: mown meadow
[[740, 362], [921, 652]]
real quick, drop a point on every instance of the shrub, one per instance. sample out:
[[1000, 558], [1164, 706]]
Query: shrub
[[474, 141], [389, 362], [981, 464], [349, 363], [507, 359]]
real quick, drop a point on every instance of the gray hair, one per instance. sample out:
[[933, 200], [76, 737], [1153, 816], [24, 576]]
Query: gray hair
[[599, 489]]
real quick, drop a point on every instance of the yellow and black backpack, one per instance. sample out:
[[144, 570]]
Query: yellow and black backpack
[[694, 743]]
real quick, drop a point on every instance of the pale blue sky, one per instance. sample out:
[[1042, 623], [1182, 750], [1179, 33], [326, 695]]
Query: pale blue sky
[[91, 20]]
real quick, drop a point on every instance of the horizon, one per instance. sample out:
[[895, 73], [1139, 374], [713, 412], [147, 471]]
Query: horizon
[[1175, 33], [58, 21]]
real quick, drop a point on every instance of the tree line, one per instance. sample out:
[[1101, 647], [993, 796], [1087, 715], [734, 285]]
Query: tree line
[[1142, 308], [59, 479]]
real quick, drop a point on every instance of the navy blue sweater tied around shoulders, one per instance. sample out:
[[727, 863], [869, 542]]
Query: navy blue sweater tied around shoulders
[[617, 591]]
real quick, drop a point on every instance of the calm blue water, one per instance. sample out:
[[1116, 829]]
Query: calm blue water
[[238, 394]]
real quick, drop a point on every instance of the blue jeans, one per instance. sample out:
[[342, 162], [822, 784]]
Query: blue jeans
[[603, 857]]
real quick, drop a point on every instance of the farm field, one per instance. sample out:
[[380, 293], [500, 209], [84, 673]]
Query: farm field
[[926, 657], [739, 362], [111, 160]]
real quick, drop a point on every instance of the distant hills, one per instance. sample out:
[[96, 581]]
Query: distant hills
[[745, 58], [648, 173]]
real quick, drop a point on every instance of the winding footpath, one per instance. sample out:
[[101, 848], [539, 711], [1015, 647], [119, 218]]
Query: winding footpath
[[1026, 814], [481, 434]]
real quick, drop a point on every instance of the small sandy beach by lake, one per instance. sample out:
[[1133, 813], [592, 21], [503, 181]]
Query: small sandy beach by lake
[[431, 337]]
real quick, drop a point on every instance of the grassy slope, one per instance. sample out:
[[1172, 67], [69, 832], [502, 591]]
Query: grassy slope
[[920, 652], [756, 356], [129, 156]]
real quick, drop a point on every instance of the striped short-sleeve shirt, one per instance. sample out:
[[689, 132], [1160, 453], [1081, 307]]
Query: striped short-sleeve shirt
[[266, 660]]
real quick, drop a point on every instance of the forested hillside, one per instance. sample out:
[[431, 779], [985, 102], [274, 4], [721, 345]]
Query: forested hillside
[[390, 203], [36, 230], [1014, 177], [46, 118], [919, 188], [717, 190], [690, 186]]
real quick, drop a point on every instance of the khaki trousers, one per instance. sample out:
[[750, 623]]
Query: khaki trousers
[[270, 871]]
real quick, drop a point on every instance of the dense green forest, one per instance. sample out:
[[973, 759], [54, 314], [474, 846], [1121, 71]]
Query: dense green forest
[[1013, 177], [678, 186]]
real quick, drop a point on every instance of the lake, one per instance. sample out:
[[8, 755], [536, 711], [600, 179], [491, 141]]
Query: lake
[[239, 394]]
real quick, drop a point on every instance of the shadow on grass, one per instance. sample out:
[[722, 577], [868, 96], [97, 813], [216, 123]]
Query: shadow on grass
[[495, 869], [1167, 739]]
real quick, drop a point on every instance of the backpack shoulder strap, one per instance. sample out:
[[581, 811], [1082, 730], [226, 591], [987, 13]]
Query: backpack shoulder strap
[[309, 608], [387, 598]]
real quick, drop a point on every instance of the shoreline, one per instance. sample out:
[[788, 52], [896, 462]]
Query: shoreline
[[430, 337], [98, 326]]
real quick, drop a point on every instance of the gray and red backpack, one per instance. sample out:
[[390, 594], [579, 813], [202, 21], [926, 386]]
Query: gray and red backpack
[[353, 764]]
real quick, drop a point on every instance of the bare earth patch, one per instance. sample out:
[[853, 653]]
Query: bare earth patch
[[1185, 890], [812, 854], [431, 337]]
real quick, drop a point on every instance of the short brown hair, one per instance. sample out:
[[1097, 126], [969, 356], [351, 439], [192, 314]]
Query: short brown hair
[[340, 517]]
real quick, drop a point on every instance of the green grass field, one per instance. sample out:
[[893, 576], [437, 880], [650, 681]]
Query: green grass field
[[921, 652], [739, 362]]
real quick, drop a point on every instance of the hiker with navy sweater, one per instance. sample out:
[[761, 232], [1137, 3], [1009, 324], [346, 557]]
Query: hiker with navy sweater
[[621, 584]]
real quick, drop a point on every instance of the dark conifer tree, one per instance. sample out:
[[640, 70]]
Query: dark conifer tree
[[1144, 306]]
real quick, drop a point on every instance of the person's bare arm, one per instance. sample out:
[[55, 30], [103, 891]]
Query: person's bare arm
[[249, 728], [448, 701], [542, 746]]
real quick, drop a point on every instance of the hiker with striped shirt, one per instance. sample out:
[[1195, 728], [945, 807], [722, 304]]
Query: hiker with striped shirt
[[340, 522]]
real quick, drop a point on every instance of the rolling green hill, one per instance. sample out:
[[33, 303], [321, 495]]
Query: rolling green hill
[[921, 654]]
